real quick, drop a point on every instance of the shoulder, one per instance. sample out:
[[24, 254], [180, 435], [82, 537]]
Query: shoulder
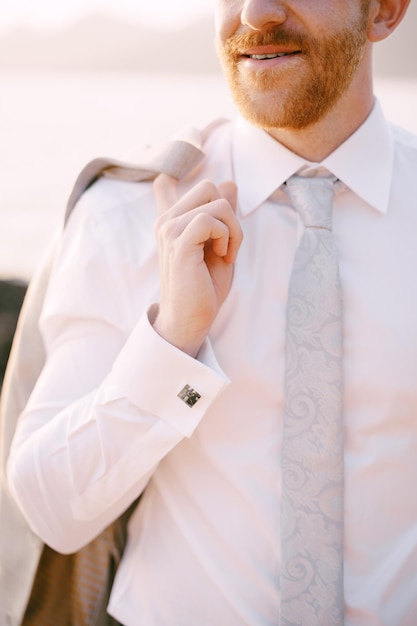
[[113, 197], [109, 203], [114, 212]]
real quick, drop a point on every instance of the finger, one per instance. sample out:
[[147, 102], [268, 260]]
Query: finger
[[235, 239], [203, 198], [228, 190], [222, 227], [219, 210], [206, 228], [166, 193], [197, 197]]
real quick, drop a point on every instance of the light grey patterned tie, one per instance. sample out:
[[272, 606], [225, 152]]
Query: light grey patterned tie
[[312, 447]]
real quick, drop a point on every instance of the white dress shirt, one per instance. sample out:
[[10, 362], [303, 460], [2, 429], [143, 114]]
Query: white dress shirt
[[105, 418]]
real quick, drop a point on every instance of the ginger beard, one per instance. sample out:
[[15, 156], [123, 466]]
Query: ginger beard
[[303, 92]]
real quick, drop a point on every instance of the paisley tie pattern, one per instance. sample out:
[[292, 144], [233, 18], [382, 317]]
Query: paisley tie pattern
[[312, 448]]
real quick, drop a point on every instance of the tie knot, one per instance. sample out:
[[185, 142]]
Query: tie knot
[[313, 199]]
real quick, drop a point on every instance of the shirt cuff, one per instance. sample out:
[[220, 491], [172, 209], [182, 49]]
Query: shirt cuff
[[162, 380]]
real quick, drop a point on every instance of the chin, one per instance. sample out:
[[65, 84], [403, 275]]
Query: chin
[[272, 111]]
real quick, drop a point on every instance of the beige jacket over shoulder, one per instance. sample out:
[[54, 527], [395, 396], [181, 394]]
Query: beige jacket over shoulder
[[20, 548]]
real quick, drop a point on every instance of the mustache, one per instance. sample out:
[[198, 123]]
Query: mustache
[[238, 44]]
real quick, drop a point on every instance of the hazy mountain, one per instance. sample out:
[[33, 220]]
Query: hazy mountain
[[101, 43]]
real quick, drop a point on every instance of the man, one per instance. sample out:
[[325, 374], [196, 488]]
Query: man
[[166, 362]]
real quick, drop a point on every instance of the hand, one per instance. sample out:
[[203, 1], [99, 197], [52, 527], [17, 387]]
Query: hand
[[198, 239]]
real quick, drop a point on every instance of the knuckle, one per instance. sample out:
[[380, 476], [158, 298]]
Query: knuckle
[[221, 209], [202, 217], [224, 205], [158, 225], [165, 228], [205, 221], [208, 187]]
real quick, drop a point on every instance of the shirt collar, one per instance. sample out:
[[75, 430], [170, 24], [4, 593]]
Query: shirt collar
[[364, 162]]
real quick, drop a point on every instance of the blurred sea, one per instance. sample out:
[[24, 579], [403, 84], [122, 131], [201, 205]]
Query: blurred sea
[[51, 124]]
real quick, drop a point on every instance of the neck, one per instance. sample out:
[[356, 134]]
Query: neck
[[316, 142]]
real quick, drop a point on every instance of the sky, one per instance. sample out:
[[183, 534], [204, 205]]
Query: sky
[[51, 14]]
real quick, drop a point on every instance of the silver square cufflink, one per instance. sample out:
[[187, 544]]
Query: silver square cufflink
[[189, 395]]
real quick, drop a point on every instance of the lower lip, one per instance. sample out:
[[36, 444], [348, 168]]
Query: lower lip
[[260, 64]]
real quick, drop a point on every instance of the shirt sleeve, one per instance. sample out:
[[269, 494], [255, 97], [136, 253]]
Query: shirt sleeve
[[113, 398]]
